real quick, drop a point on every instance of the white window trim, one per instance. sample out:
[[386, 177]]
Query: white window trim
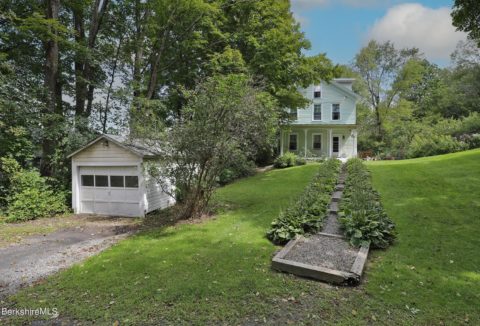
[[321, 141], [339, 112], [321, 112], [321, 92], [296, 134]]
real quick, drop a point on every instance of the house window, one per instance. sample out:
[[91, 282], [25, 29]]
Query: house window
[[317, 141], [293, 114], [292, 145], [87, 180], [317, 92], [116, 181], [317, 112], [101, 181], [335, 111], [131, 181]]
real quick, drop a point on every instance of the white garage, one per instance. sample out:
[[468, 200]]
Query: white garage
[[108, 179]]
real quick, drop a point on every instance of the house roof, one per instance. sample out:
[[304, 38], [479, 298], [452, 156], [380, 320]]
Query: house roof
[[136, 146], [338, 83]]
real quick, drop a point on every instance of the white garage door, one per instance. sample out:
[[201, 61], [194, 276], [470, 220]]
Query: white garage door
[[110, 191]]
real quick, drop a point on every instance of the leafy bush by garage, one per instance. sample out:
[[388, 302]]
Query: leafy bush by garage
[[361, 214], [29, 196], [307, 213]]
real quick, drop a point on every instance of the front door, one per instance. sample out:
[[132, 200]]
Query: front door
[[335, 146]]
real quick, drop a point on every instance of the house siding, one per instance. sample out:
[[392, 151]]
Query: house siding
[[331, 94], [305, 126]]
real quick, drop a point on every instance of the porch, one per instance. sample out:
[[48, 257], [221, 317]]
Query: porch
[[319, 142]]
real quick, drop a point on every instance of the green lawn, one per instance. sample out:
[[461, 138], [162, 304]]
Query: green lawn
[[219, 271]]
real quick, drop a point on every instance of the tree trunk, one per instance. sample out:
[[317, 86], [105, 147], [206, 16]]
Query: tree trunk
[[84, 66], [52, 102], [110, 85]]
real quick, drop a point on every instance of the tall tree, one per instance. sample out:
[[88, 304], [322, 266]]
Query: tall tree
[[53, 98], [466, 17], [379, 65]]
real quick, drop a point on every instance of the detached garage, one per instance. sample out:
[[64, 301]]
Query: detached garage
[[108, 179]]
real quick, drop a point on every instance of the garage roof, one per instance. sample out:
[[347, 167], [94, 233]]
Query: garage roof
[[136, 146]]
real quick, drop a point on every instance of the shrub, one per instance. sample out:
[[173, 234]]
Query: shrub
[[362, 216], [433, 144], [238, 169], [300, 161], [287, 160], [307, 213], [29, 196]]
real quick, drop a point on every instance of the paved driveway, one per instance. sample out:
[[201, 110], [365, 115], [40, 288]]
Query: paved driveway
[[39, 256]]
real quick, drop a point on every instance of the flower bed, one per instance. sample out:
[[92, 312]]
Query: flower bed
[[362, 216], [307, 213]]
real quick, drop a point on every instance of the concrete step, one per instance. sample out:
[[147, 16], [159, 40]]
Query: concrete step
[[337, 195], [333, 209], [339, 187]]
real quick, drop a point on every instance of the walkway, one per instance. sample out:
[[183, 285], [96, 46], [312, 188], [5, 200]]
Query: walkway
[[326, 256]]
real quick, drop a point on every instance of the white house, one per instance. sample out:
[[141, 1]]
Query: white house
[[327, 126], [108, 178]]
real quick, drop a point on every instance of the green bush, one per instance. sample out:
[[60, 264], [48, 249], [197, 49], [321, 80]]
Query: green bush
[[300, 161], [29, 196], [362, 216], [239, 169], [307, 213], [433, 144], [287, 160]]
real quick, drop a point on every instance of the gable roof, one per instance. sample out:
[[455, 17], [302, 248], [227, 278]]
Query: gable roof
[[135, 146], [344, 89]]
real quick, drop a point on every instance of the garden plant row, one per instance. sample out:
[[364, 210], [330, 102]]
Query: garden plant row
[[307, 213], [362, 215]]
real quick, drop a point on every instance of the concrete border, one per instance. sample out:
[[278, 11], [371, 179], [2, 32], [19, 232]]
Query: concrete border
[[320, 273]]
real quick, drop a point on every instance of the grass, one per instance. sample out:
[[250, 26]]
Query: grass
[[218, 272]]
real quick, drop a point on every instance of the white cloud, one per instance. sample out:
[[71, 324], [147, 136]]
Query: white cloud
[[414, 25]]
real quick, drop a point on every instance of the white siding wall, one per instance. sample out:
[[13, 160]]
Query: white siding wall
[[113, 155], [98, 152], [156, 198], [330, 94]]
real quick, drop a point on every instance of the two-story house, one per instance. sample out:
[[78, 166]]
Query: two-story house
[[327, 126]]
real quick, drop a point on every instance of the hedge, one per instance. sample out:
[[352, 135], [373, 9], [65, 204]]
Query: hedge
[[307, 213], [362, 216]]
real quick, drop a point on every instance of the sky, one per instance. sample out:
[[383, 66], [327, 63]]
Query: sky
[[340, 28]]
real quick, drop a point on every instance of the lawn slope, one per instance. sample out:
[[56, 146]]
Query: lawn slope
[[218, 272]]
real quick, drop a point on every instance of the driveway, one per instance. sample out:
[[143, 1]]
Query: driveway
[[39, 256]]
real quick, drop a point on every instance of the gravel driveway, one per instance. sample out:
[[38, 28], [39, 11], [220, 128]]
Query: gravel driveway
[[39, 256]]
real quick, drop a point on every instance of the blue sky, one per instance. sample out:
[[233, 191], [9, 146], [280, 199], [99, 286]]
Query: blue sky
[[341, 27]]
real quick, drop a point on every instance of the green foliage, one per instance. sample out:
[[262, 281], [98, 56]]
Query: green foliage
[[362, 215], [29, 196], [429, 144], [286, 160], [240, 168], [465, 15], [307, 213], [225, 121]]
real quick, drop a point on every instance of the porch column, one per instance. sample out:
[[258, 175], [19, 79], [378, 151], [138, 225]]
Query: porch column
[[330, 143], [281, 142], [306, 148]]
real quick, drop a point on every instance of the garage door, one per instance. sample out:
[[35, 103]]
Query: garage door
[[110, 191]]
